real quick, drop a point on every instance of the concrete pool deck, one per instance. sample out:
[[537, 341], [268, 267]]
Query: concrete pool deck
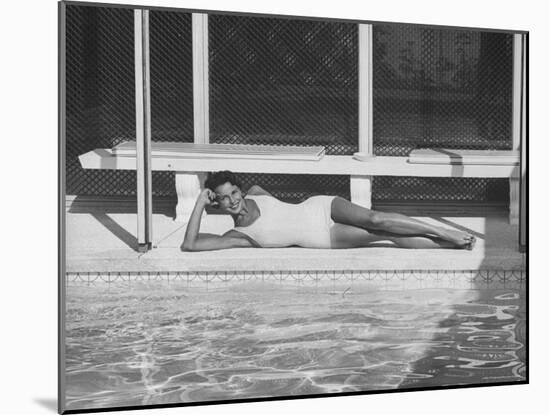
[[101, 241]]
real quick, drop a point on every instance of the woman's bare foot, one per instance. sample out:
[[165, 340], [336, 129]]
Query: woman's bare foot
[[461, 239]]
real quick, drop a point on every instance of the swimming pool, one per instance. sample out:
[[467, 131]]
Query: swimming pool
[[159, 342]]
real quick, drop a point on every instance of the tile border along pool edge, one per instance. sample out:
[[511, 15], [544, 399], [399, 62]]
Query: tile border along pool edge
[[399, 279]]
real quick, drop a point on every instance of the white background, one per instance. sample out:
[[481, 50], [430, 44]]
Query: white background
[[28, 150]]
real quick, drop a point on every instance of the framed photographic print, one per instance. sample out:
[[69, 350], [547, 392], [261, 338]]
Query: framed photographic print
[[258, 207]]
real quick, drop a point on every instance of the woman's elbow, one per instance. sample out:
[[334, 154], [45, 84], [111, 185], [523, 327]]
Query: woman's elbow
[[187, 247]]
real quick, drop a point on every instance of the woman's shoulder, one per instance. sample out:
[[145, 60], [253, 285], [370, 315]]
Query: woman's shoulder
[[255, 196], [259, 199], [256, 190], [262, 203]]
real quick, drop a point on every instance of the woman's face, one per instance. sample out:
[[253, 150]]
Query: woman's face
[[229, 197]]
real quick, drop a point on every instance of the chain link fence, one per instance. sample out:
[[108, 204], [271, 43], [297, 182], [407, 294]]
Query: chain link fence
[[440, 88], [101, 92], [290, 82], [285, 82], [99, 95]]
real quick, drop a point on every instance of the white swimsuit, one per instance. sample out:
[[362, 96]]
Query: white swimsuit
[[281, 224]]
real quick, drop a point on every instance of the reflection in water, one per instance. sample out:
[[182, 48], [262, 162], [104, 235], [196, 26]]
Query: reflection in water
[[155, 343]]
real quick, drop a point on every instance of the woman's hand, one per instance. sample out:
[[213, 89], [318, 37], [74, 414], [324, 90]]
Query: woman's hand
[[206, 197]]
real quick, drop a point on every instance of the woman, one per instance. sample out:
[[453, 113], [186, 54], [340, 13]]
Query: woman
[[262, 221]]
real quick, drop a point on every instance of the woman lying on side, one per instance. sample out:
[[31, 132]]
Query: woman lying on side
[[263, 221]]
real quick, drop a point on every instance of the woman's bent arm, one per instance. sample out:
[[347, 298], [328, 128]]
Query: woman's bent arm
[[195, 241], [193, 226], [211, 242]]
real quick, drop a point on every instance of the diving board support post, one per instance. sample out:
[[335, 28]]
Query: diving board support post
[[189, 184], [517, 110], [361, 186], [361, 190], [143, 130], [201, 114], [188, 187]]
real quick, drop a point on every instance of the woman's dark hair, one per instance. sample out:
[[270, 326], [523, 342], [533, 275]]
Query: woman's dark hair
[[220, 177]]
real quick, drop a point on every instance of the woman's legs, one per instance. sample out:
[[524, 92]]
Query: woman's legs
[[348, 236], [345, 212]]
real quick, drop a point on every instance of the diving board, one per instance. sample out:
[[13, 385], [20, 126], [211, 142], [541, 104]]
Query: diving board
[[216, 151], [464, 157], [190, 171]]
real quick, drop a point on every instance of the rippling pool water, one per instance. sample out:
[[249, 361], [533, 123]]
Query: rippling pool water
[[155, 343]]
